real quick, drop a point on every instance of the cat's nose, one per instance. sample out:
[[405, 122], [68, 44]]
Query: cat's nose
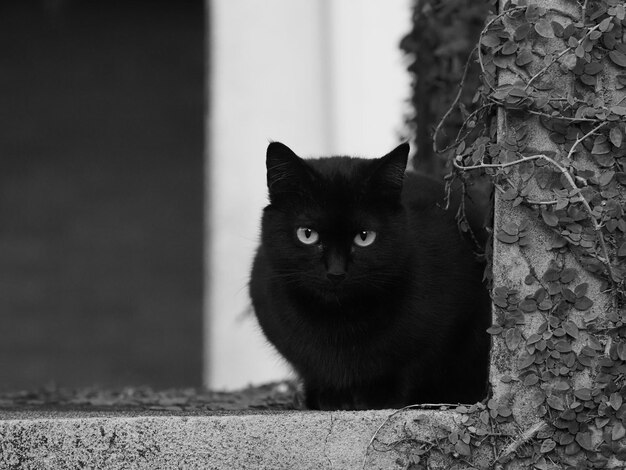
[[336, 278]]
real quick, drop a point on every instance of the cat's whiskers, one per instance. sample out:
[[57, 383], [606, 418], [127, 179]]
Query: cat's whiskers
[[381, 280], [297, 278]]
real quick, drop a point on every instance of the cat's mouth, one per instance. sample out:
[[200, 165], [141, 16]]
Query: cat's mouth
[[335, 280], [333, 289], [330, 297]]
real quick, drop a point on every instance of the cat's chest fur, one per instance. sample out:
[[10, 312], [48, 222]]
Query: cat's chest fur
[[365, 285]]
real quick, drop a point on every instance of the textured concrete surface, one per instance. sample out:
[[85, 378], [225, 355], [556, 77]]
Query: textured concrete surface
[[284, 440]]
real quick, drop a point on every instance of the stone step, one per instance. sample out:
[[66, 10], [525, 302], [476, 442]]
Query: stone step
[[229, 440]]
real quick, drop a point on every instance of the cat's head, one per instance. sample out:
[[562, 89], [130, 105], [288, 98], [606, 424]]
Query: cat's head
[[335, 227]]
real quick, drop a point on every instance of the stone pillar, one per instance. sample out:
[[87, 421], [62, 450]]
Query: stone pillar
[[553, 345]]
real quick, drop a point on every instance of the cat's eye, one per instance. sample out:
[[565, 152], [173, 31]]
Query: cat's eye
[[307, 236], [364, 238]]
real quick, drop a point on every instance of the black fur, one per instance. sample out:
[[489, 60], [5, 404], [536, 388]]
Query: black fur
[[407, 323]]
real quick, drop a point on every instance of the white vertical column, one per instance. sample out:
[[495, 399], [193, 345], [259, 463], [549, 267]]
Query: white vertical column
[[266, 83], [370, 84]]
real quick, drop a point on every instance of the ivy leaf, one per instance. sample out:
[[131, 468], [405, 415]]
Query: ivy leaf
[[541, 293], [561, 203], [543, 176], [615, 401], [557, 242], [590, 316], [547, 446], [513, 337], [504, 411], [556, 403], [622, 250], [571, 329], [490, 40], [511, 228], [509, 48], [581, 290], [618, 58], [595, 35], [604, 24], [594, 345], [528, 305], [524, 58], [463, 449], [561, 386], [549, 218], [558, 29], [615, 136], [618, 432], [551, 275], [533, 12], [583, 394], [518, 93], [500, 302], [563, 346], [522, 31], [565, 438], [568, 295], [589, 80], [510, 194], [530, 380], [567, 275], [593, 68], [544, 29], [545, 305], [601, 148], [584, 360], [506, 238], [619, 110], [606, 178], [584, 440], [494, 330], [525, 360], [583, 303], [537, 399], [571, 40]]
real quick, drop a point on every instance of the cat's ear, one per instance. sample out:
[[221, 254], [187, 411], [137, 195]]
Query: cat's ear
[[388, 175], [286, 172]]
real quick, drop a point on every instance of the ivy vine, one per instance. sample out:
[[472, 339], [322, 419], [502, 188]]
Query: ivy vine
[[577, 190]]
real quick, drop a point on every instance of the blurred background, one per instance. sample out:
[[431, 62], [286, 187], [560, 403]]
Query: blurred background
[[132, 172], [101, 192]]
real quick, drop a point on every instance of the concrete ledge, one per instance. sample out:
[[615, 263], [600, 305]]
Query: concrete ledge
[[267, 440]]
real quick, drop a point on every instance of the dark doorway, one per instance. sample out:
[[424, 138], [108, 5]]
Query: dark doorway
[[101, 188]]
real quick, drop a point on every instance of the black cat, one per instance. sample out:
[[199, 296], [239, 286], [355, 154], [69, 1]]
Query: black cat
[[364, 283]]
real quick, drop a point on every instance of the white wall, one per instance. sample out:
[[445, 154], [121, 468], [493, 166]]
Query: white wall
[[323, 76], [370, 82]]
